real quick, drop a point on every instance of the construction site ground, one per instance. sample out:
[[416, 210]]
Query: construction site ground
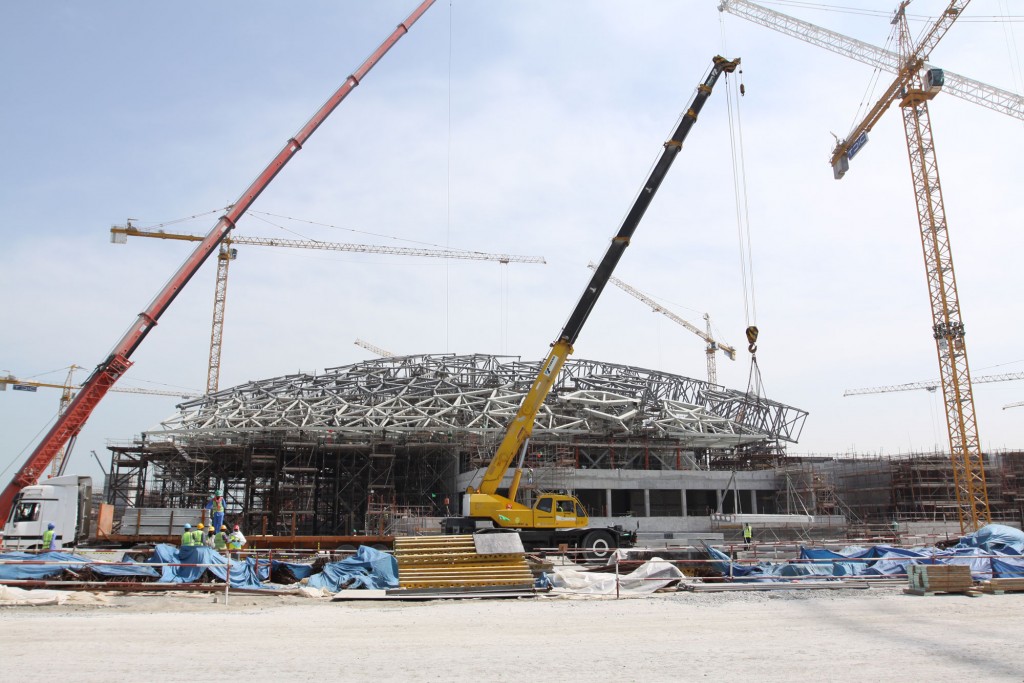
[[766, 636]]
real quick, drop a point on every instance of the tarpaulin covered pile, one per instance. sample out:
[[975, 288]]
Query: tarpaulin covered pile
[[994, 551], [194, 564], [60, 565], [368, 568], [647, 578]]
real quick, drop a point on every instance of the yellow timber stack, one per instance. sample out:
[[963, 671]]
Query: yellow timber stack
[[463, 561]]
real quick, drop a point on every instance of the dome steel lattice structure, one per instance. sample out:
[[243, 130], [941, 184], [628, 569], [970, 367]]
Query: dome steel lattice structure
[[345, 449]]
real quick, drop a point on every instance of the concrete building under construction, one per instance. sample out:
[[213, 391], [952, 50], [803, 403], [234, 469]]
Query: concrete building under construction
[[361, 447]]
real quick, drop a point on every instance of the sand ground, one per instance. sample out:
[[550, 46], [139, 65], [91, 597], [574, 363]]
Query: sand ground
[[808, 635]]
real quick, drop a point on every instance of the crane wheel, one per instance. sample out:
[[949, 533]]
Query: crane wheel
[[598, 546]]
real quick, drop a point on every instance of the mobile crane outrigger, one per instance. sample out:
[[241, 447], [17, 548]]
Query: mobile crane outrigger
[[557, 519]]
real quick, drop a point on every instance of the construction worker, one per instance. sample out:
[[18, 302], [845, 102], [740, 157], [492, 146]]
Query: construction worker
[[186, 536], [235, 542], [216, 508], [220, 541], [49, 538], [197, 535], [748, 535], [211, 537]]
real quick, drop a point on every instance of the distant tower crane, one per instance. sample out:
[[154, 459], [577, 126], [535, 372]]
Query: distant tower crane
[[712, 344], [913, 89], [119, 235], [989, 96], [1017, 404], [931, 385], [68, 390], [374, 349]]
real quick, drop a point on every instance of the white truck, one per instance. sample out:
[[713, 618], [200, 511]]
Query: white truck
[[64, 502]]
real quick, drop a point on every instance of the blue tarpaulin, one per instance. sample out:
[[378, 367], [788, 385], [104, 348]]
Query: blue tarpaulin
[[244, 573], [993, 551], [996, 537], [368, 568], [58, 562]]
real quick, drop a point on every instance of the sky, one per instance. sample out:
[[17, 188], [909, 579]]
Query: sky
[[509, 126]]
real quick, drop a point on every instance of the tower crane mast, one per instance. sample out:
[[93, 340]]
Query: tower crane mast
[[712, 344], [110, 369], [913, 90]]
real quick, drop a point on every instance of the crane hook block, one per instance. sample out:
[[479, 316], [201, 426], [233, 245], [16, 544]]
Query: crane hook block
[[752, 339]]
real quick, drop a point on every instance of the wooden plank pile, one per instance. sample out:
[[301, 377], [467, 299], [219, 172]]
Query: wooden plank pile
[[462, 562], [1000, 586], [928, 579]]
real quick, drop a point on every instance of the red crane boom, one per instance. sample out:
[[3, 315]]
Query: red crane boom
[[117, 363]]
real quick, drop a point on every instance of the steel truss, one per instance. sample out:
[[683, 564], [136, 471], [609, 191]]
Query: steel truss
[[331, 453]]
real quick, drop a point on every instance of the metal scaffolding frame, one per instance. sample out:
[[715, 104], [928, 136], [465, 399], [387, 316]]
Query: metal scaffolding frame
[[348, 449]]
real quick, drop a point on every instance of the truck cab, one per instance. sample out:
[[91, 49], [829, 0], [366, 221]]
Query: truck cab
[[62, 501]]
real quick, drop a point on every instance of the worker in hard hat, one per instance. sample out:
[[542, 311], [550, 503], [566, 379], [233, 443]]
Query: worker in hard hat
[[186, 536], [216, 508], [220, 541], [197, 535], [235, 542], [211, 537], [49, 538]]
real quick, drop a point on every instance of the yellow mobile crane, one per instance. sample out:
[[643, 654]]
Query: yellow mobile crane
[[557, 519]]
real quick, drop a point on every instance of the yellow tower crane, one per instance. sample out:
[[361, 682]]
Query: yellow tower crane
[[119, 234], [68, 390], [712, 344], [914, 86]]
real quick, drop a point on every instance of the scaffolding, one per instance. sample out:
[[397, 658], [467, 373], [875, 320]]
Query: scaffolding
[[359, 447]]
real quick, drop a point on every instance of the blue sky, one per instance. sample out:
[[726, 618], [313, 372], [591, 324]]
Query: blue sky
[[519, 127]]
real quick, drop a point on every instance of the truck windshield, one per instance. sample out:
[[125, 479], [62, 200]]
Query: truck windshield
[[567, 506], [544, 505], [26, 512]]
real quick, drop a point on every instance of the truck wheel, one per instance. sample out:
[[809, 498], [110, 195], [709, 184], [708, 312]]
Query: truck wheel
[[598, 546]]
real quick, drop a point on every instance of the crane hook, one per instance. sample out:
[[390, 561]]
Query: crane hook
[[752, 339]]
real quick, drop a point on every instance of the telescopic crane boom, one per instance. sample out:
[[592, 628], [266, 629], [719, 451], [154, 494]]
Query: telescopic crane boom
[[484, 501], [117, 363]]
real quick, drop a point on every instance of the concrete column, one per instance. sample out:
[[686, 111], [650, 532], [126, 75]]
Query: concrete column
[[719, 495], [608, 502], [647, 502], [753, 502], [682, 498]]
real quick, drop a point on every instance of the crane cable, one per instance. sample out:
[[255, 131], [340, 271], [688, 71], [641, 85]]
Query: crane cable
[[739, 180]]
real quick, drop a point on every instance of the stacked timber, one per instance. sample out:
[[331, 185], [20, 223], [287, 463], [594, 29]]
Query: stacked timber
[[1000, 586], [926, 579], [464, 561]]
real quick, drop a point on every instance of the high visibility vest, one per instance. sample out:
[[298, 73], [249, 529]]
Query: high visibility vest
[[235, 541], [197, 537], [186, 539], [47, 539], [221, 541], [218, 504], [747, 532]]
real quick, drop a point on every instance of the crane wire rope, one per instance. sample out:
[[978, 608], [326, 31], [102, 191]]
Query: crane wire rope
[[1013, 55], [886, 13], [755, 386], [448, 189]]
